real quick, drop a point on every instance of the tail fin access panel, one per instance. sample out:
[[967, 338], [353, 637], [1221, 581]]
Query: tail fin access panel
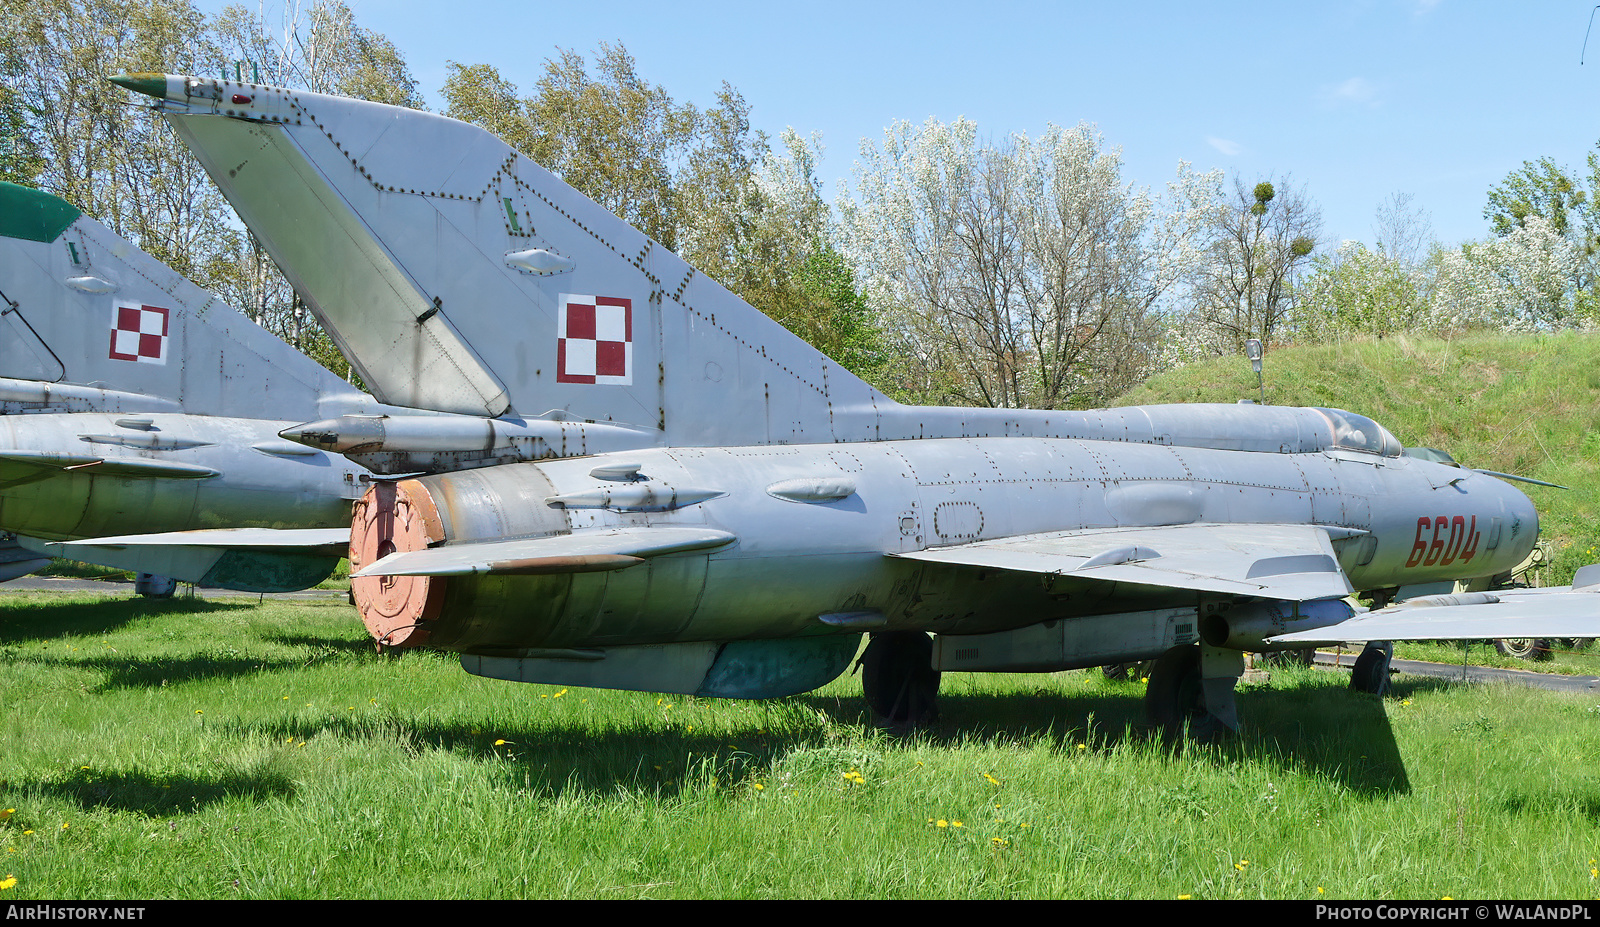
[[382, 214]]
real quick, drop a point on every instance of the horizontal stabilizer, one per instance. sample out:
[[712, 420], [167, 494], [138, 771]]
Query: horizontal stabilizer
[[331, 540], [1556, 612], [248, 559], [579, 552], [1291, 562]]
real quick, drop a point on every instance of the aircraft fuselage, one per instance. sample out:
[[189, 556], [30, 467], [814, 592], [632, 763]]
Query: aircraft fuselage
[[806, 548], [109, 474]]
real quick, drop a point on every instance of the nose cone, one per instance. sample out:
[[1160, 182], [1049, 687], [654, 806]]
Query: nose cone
[[347, 433], [1524, 522], [149, 83]]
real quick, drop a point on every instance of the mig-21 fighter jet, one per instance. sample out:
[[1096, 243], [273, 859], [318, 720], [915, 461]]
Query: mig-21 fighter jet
[[662, 489]]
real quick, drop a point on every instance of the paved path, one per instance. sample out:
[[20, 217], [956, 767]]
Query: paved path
[[1457, 672]]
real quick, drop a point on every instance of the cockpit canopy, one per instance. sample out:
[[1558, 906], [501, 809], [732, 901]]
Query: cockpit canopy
[[1352, 432]]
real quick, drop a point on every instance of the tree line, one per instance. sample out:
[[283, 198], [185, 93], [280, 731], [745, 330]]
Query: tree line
[[956, 267]]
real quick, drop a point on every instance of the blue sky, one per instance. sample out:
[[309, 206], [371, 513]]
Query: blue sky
[[1353, 100]]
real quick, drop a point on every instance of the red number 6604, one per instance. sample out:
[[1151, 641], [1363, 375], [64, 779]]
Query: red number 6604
[[1443, 540]]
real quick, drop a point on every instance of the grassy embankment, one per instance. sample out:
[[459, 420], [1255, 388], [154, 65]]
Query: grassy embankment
[[195, 749]]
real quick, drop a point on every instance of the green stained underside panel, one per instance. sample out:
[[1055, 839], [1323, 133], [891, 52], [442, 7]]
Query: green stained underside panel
[[32, 214]]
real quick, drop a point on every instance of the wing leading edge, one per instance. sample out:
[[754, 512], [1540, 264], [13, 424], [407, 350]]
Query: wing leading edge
[[1563, 611], [1290, 562]]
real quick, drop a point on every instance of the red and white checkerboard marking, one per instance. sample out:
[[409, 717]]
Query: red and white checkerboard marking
[[139, 333], [594, 340]]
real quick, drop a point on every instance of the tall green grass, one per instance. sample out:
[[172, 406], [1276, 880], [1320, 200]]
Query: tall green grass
[[220, 749]]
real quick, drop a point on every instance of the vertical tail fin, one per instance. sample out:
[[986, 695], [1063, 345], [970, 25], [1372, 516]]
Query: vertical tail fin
[[460, 276], [95, 324]]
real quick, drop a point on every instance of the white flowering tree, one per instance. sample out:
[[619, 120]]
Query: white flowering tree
[[1359, 291], [1022, 273], [1526, 280]]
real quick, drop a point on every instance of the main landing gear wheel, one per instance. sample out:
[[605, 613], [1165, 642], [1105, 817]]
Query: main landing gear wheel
[[1371, 672], [1525, 648], [899, 681], [1175, 698]]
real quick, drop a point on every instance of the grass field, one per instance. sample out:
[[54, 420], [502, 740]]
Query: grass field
[[221, 749]]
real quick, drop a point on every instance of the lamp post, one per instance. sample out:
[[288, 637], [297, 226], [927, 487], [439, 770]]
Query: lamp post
[[1252, 350]]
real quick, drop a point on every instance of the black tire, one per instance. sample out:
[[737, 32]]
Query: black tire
[[1525, 648], [1175, 698], [899, 681], [1371, 672]]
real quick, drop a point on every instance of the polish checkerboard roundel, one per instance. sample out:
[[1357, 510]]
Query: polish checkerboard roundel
[[594, 341], [139, 333]]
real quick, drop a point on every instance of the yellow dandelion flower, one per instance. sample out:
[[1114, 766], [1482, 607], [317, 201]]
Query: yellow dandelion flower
[[1319, 890], [65, 825], [559, 694], [7, 882], [198, 712], [758, 786], [955, 824], [992, 779], [1083, 746], [943, 823], [1184, 897], [501, 743]]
